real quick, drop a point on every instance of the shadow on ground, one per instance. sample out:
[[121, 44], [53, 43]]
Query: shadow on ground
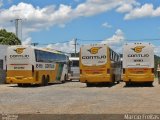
[[130, 85]]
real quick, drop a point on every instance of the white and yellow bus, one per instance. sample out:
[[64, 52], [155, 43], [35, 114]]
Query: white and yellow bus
[[138, 63], [73, 68], [31, 65], [99, 64]]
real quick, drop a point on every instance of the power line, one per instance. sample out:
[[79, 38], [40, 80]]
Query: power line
[[145, 39], [96, 40], [37, 43]]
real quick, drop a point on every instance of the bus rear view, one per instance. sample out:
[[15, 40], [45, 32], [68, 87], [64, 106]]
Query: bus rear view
[[19, 65], [138, 63], [98, 64]]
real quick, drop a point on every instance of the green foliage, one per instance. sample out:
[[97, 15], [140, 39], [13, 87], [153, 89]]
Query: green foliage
[[8, 38]]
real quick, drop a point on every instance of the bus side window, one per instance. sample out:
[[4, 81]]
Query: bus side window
[[75, 64], [71, 63]]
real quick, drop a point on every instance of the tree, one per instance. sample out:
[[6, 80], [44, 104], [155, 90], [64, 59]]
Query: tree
[[8, 38]]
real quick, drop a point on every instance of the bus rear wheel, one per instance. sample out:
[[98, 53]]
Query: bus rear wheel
[[149, 84], [158, 81], [89, 84], [44, 81], [128, 83], [20, 85]]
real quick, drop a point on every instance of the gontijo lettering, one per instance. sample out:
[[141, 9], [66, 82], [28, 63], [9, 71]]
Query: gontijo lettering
[[94, 57], [138, 55]]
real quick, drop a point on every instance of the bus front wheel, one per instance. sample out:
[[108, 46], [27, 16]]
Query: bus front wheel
[[65, 79]]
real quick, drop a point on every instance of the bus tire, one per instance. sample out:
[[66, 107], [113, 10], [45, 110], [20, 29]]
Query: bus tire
[[43, 82], [89, 84], [158, 81], [128, 83], [47, 80], [65, 79], [118, 81], [149, 84], [113, 79], [20, 85]]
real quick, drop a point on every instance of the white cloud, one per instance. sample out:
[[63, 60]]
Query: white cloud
[[147, 10], [124, 8], [28, 41], [93, 7], [36, 18], [64, 47], [116, 39], [106, 25]]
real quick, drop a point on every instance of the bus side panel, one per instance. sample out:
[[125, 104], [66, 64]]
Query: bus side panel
[[59, 71], [53, 74]]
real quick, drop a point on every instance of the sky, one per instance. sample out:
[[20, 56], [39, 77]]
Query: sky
[[57, 23]]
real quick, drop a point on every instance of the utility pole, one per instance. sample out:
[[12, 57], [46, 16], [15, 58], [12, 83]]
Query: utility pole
[[18, 27], [34, 44], [75, 44]]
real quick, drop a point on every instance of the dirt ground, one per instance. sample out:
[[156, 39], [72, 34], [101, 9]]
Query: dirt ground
[[76, 98]]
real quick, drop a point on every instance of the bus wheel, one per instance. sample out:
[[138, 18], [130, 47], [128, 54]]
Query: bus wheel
[[44, 81], [118, 81], [89, 84], [158, 81], [150, 84], [113, 79], [47, 80], [20, 85], [65, 79], [128, 83]]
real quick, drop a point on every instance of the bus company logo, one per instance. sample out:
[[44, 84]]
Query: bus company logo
[[94, 50], [138, 49], [19, 50]]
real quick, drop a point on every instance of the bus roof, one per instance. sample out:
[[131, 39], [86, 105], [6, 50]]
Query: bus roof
[[38, 48], [138, 43]]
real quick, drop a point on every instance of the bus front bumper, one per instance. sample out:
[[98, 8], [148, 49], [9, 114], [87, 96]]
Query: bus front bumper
[[95, 78], [138, 78], [13, 80]]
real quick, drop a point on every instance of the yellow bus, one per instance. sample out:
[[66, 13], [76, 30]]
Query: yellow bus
[[31, 65], [99, 64], [138, 63]]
